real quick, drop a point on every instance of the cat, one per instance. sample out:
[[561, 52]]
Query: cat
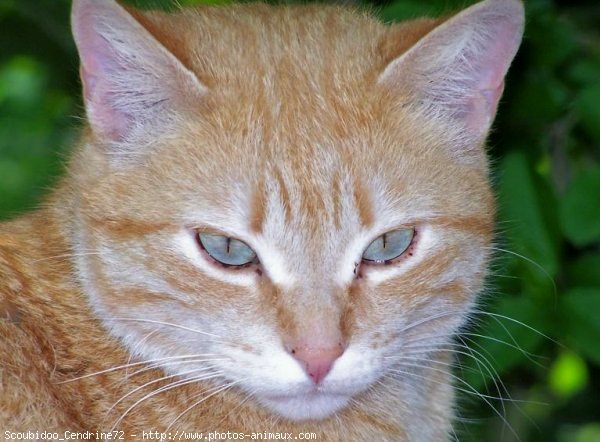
[[276, 219]]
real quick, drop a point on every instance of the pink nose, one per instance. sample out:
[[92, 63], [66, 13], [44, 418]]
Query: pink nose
[[317, 361]]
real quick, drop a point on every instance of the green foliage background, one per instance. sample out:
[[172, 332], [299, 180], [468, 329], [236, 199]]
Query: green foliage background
[[546, 156]]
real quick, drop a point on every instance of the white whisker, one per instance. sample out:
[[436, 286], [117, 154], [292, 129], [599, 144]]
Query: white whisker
[[168, 324], [471, 389], [431, 318], [124, 366], [195, 404], [164, 389], [529, 260], [163, 365], [508, 318], [155, 381]]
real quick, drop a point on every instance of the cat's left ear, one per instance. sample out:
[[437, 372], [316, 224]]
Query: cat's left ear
[[456, 72], [133, 86]]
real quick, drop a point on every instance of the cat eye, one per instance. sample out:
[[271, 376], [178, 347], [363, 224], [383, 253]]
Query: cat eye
[[227, 251], [388, 246]]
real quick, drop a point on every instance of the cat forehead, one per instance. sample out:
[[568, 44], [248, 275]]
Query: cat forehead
[[316, 172], [293, 106], [319, 191], [300, 79], [248, 45]]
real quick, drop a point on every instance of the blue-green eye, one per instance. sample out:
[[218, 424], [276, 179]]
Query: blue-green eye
[[227, 251], [389, 246]]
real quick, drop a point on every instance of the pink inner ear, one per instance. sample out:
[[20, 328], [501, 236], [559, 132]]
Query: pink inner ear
[[490, 67], [482, 108], [491, 97], [130, 80], [103, 114], [457, 70], [99, 66], [483, 102]]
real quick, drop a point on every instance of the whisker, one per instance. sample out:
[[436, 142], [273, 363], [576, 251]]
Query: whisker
[[500, 380], [155, 381], [482, 361], [431, 318], [529, 260], [515, 346], [471, 390], [433, 361], [124, 366], [169, 324], [489, 367], [195, 404], [134, 350], [168, 387], [485, 363], [247, 396], [493, 375], [160, 365], [508, 318]]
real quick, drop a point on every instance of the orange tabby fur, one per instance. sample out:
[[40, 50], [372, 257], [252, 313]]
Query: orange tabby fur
[[271, 119]]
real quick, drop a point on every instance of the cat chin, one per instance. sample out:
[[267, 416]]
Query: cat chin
[[309, 406]]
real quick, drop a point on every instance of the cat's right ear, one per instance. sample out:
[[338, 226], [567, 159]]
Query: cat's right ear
[[132, 85], [455, 73]]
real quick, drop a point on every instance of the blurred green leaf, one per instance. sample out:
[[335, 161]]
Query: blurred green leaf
[[34, 131], [21, 81], [584, 433], [409, 9], [581, 307], [542, 97], [398, 11], [204, 2], [568, 374], [531, 246], [587, 105], [585, 71], [580, 208], [584, 271], [554, 38]]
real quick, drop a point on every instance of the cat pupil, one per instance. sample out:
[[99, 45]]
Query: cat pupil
[[389, 246], [226, 250]]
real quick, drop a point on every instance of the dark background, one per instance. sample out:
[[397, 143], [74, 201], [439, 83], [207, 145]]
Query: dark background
[[539, 349]]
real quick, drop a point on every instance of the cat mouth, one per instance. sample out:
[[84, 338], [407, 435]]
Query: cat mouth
[[312, 405], [315, 393]]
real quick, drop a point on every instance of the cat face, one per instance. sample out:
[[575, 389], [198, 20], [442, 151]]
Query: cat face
[[301, 161]]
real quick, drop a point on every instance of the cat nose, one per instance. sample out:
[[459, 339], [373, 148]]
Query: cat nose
[[317, 361]]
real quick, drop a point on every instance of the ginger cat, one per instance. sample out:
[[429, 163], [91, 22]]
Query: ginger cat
[[276, 220]]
